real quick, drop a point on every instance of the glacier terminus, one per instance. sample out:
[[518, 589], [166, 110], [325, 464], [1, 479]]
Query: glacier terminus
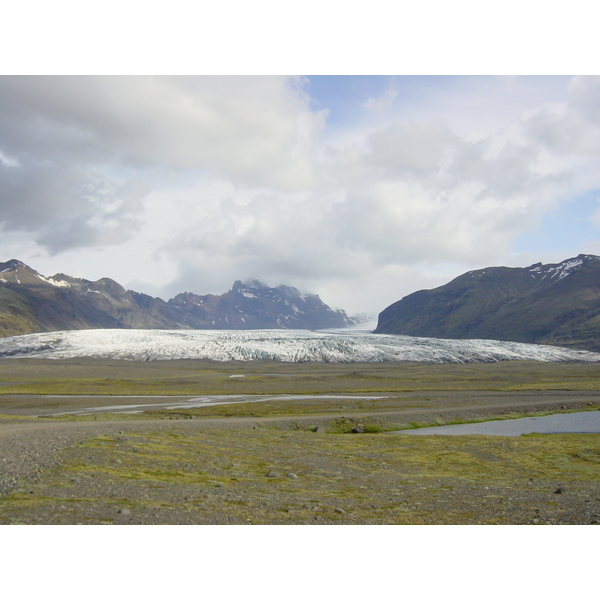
[[329, 346]]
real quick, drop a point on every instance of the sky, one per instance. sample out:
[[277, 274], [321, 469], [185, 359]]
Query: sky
[[361, 189]]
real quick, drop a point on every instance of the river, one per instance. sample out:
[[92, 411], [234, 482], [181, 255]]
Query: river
[[579, 422]]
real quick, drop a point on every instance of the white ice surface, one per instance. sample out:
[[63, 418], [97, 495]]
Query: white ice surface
[[343, 345]]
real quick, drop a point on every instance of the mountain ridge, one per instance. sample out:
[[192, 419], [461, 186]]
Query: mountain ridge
[[556, 304], [32, 303]]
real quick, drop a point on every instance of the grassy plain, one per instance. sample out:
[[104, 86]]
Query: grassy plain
[[275, 476], [191, 377], [295, 461]]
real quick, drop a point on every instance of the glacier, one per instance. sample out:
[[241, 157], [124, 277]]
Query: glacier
[[287, 345]]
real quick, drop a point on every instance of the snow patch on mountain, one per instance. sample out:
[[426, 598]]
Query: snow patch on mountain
[[56, 282], [563, 269]]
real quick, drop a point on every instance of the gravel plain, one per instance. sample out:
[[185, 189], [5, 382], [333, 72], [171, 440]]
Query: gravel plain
[[302, 469]]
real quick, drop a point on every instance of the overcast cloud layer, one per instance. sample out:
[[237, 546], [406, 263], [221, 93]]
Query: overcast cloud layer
[[361, 193]]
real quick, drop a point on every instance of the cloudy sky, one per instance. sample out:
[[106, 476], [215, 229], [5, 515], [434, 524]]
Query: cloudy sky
[[359, 188]]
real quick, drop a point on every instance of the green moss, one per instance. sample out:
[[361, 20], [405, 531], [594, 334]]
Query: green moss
[[190, 377]]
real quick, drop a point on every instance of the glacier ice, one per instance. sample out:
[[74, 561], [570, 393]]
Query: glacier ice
[[334, 346]]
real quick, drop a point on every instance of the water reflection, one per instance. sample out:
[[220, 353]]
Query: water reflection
[[581, 422]]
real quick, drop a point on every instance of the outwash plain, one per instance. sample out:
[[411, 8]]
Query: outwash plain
[[305, 460]]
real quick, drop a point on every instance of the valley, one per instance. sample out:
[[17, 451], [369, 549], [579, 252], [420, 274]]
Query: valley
[[295, 460], [126, 409]]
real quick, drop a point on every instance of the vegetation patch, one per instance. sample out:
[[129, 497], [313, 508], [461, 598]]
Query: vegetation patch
[[191, 377], [267, 476], [170, 469]]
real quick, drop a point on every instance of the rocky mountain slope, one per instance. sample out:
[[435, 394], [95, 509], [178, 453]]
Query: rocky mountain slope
[[31, 302], [254, 305], [546, 304]]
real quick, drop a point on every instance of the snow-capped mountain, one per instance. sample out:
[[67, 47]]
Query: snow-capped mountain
[[31, 302], [254, 305], [547, 304]]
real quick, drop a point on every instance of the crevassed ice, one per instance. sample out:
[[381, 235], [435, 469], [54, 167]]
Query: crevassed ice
[[280, 345]]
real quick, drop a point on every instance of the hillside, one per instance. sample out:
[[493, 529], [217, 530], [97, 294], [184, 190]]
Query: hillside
[[31, 302], [555, 304]]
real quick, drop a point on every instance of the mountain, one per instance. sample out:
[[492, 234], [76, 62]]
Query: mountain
[[254, 305], [555, 304], [31, 302]]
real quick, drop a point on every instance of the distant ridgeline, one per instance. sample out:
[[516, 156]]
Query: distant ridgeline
[[556, 304], [30, 302]]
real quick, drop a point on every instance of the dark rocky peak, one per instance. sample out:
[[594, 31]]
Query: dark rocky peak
[[291, 292], [251, 289], [588, 258], [248, 286], [557, 271], [15, 271], [536, 274], [189, 298], [254, 287], [108, 286], [181, 298], [63, 280], [13, 265], [255, 284]]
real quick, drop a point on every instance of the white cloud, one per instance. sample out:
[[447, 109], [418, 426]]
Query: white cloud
[[8, 161], [413, 151], [383, 102], [208, 180], [254, 130], [58, 134]]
